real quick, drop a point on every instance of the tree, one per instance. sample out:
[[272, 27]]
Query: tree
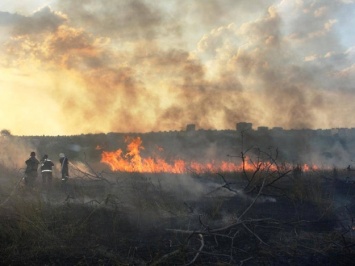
[[5, 132]]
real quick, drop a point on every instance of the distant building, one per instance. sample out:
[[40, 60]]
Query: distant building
[[243, 126], [277, 129], [190, 127], [263, 130]]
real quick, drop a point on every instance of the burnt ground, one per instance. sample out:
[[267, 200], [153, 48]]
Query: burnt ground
[[136, 219]]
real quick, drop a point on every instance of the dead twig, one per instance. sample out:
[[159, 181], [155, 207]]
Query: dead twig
[[199, 250]]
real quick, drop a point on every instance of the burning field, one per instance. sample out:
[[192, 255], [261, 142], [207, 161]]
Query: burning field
[[132, 161], [197, 132], [138, 206]]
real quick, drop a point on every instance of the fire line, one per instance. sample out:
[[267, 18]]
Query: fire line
[[132, 161]]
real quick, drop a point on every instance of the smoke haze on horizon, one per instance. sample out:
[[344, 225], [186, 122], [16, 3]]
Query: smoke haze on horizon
[[84, 66]]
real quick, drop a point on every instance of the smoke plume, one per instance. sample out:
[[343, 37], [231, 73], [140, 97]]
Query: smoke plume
[[134, 66]]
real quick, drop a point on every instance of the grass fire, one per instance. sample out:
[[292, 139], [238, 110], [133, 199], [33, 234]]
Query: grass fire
[[132, 161], [175, 199]]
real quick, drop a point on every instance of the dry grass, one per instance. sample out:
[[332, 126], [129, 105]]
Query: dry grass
[[136, 220]]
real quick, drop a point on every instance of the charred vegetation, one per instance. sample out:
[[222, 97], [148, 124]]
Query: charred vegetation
[[268, 213]]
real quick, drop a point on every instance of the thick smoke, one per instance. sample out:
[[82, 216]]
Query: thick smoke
[[135, 66], [14, 153]]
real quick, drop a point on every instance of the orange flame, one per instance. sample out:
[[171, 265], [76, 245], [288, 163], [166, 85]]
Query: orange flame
[[132, 161]]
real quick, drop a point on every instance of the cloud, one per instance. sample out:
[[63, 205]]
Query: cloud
[[288, 88], [122, 19], [40, 21], [166, 65]]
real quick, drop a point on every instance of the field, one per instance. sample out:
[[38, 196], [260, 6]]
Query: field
[[248, 218]]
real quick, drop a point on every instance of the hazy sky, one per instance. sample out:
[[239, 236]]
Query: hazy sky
[[85, 66]]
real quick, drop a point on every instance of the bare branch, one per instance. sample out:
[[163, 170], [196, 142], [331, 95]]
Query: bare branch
[[199, 250], [253, 202], [248, 229]]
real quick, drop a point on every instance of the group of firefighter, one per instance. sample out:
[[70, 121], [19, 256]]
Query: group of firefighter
[[46, 167]]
